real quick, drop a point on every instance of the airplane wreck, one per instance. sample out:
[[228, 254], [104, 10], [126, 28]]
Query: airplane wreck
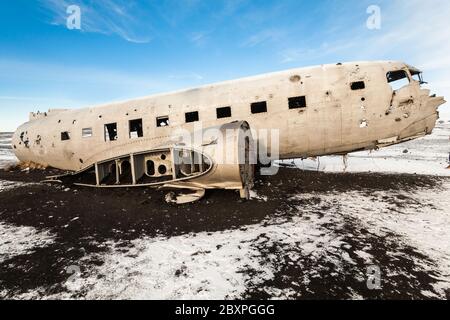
[[155, 141]]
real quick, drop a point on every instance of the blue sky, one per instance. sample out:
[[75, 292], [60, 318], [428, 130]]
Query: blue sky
[[127, 49]]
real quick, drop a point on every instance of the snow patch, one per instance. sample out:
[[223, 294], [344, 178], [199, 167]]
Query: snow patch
[[8, 185], [255, 196], [208, 265], [18, 240], [194, 266], [7, 157], [423, 222]]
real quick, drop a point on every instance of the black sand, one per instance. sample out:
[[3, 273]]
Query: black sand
[[128, 214]]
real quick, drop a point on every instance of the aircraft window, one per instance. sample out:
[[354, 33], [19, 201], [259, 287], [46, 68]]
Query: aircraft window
[[417, 75], [359, 85], [111, 132], [136, 130], [297, 102], [259, 107], [224, 112], [162, 121], [86, 132], [191, 116], [65, 136], [397, 79]]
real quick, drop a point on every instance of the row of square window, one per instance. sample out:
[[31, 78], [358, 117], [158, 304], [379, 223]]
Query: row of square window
[[136, 130]]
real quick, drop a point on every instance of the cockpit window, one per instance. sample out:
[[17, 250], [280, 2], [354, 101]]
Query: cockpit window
[[417, 76], [397, 79]]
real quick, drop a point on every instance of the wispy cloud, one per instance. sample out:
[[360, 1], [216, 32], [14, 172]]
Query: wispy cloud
[[413, 31], [125, 19], [305, 54], [268, 35], [418, 31], [199, 38]]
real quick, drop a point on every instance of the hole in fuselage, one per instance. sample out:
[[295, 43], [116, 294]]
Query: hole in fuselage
[[162, 169], [150, 168], [358, 85]]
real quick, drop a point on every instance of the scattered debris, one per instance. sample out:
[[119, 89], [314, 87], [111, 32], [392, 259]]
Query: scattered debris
[[183, 198], [27, 166], [254, 195]]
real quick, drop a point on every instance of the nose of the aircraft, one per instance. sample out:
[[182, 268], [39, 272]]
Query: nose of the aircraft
[[15, 141], [20, 140], [435, 102]]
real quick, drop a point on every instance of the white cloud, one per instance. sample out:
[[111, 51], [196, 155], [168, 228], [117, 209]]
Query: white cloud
[[424, 31], [199, 38], [118, 17], [324, 50]]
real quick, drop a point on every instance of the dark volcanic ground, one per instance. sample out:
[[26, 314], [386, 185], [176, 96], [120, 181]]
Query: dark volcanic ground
[[305, 235]]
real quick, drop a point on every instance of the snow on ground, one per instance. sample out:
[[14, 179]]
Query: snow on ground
[[422, 223], [8, 185], [227, 264], [7, 157], [197, 266], [18, 240], [428, 155]]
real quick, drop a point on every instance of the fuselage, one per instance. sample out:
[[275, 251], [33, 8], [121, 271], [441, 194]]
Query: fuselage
[[322, 110]]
